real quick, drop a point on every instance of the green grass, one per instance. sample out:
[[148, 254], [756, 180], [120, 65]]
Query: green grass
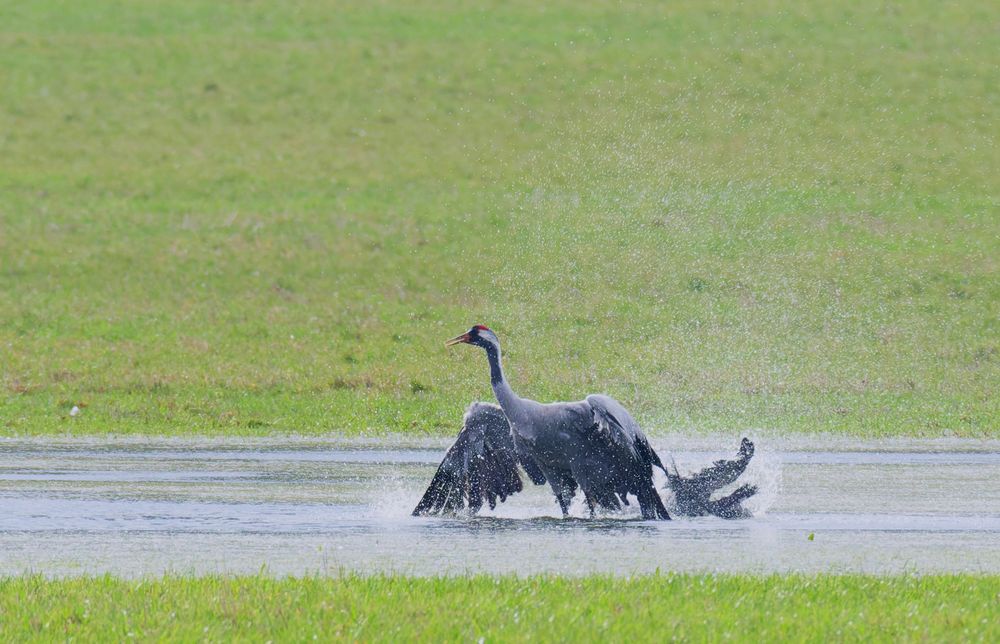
[[651, 608], [257, 217]]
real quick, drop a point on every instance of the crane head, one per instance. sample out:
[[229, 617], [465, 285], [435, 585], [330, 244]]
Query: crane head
[[479, 335]]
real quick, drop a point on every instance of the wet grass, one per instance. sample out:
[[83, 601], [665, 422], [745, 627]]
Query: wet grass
[[659, 607], [257, 217]]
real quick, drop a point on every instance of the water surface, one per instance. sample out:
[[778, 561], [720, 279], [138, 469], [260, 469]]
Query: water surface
[[295, 506]]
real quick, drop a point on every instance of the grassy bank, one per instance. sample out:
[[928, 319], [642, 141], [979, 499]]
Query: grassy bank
[[823, 608], [255, 217]]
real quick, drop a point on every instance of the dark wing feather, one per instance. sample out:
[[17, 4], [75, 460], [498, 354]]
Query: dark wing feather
[[636, 456], [723, 472], [621, 429], [482, 466], [528, 463]]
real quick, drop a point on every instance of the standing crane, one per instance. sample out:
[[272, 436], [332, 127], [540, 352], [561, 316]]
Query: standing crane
[[593, 444]]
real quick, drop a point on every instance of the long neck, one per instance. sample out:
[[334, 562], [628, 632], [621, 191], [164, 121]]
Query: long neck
[[505, 395]]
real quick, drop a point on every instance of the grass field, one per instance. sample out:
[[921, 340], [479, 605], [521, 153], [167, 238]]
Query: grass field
[[257, 217], [662, 607]]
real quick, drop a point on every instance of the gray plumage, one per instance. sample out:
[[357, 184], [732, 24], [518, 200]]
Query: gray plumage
[[593, 444], [481, 466]]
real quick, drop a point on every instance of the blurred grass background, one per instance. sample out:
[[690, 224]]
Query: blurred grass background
[[257, 217]]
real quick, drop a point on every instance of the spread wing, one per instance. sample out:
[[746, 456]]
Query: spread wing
[[693, 493], [482, 465], [633, 457], [618, 426], [722, 473]]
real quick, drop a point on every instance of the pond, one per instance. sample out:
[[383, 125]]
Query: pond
[[330, 506]]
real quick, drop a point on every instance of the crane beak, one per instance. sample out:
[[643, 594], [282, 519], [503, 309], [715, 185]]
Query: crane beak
[[457, 340]]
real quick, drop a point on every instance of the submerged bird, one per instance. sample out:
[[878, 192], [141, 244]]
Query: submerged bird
[[693, 494], [593, 444]]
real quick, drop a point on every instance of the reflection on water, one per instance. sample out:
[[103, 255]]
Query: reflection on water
[[294, 506]]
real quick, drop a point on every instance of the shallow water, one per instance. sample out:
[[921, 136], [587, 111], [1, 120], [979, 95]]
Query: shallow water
[[327, 506]]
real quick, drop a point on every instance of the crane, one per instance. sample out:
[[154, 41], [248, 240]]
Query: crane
[[693, 493], [593, 445]]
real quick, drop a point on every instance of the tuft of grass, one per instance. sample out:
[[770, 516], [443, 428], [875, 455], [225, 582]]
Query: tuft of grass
[[246, 218], [666, 606]]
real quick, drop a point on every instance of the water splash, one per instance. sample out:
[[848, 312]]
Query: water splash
[[144, 509]]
